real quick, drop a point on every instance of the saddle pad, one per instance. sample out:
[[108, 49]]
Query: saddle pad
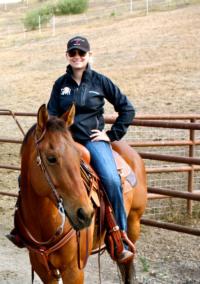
[[124, 170]]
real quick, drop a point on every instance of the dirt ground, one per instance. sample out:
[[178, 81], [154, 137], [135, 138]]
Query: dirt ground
[[156, 61], [163, 257]]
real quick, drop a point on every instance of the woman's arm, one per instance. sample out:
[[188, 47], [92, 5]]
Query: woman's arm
[[122, 105]]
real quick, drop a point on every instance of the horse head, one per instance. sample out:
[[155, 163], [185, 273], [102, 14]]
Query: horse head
[[56, 167]]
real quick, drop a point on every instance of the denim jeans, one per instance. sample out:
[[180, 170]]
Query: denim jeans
[[103, 162]]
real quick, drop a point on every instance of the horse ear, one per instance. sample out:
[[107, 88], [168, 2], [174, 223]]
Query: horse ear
[[68, 116], [42, 117]]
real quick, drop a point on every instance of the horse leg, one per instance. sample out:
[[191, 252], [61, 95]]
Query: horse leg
[[134, 224], [72, 276], [128, 273], [41, 270], [128, 270]]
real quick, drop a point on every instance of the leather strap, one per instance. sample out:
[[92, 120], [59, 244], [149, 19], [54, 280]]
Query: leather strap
[[128, 242], [45, 252], [27, 236], [78, 235]]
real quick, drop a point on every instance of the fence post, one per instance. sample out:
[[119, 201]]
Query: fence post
[[191, 173], [53, 25], [24, 31], [39, 24], [147, 7], [131, 6]]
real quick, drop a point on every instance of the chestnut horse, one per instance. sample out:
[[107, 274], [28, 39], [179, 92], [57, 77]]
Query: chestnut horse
[[55, 216]]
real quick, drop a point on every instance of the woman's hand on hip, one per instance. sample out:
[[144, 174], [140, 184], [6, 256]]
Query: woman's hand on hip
[[99, 136]]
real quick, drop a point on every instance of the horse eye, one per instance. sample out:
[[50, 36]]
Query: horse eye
[[51, 159]]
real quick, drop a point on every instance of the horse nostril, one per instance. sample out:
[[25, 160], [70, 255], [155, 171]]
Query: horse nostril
[[84, 218], [81, 215]]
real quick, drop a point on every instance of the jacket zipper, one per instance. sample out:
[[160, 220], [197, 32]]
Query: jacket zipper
[[83, 95], [97, 121]]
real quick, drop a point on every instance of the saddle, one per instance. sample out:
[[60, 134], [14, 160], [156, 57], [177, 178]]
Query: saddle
[[124, 170], [105, 220]]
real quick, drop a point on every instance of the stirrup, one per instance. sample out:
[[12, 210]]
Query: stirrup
[[128, 242], [125, 256]]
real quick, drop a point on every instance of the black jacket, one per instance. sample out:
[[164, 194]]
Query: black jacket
[[89, 100]]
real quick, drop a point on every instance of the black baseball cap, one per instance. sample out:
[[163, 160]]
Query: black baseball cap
[[78, 42]]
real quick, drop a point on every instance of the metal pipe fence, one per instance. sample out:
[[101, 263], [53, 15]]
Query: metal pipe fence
[[190, 164]]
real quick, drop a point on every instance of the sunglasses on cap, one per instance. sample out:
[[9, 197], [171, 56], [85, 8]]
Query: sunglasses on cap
[[74, 52]]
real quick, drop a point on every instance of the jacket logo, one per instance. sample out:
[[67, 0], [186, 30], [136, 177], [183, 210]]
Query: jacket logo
[[65, 91], [94, 92]]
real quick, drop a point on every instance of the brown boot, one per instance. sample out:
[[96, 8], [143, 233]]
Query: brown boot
[[15, 239]]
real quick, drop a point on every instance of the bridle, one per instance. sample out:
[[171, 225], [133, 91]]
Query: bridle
[[58, 199], [44, 249]]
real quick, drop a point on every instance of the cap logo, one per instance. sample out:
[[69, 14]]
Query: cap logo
[[77, 42]]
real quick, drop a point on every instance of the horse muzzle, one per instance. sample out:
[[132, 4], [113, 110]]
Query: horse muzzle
[[81, 219]]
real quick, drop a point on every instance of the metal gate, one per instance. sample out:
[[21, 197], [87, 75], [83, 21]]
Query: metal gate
[[154, 140]]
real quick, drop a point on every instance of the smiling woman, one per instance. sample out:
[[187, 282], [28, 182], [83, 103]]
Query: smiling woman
[[87, 90]]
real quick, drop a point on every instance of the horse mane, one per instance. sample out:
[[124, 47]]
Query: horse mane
[[53, 124]]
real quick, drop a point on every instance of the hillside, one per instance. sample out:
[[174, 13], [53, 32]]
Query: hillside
[[155, 59]]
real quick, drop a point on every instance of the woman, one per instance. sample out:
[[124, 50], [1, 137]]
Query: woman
[[87, 89]]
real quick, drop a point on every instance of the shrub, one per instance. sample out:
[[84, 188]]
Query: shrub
[[66, 7], [31, 20]]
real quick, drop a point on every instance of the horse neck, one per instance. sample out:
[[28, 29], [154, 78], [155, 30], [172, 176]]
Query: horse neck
[[40, 215]]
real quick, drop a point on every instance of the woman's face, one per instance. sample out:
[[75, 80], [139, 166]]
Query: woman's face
[[78, 59]]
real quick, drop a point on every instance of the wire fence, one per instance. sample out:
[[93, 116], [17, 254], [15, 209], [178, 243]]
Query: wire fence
[[168, 208]]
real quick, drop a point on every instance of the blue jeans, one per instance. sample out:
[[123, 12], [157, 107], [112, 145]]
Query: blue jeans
[[103, 162]]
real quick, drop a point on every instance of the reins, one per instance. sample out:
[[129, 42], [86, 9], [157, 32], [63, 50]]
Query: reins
[[78, 236]]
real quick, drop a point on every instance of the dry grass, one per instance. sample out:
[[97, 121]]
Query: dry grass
[[156, 62], [154, 59]]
